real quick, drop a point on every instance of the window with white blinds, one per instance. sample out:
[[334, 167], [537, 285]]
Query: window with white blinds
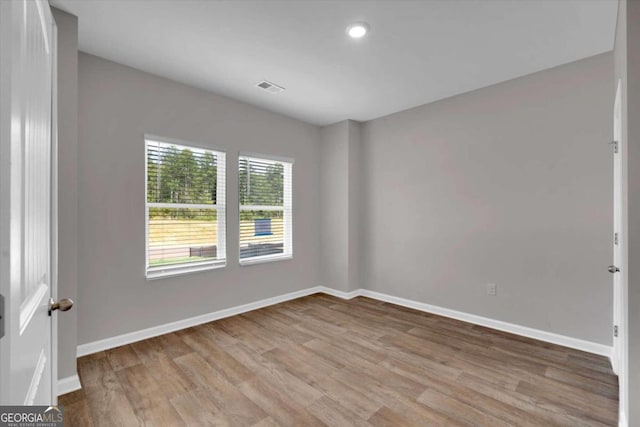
[[185, 208], [266, 209]]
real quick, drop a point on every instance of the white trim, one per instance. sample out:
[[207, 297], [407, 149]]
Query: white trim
[[162, 272], [54, 209], [221, 201], [550, 337], [181, 205], [244, 262], [175, 141], [341, 294], [117, 341], [287, 215], [69, 384], [146, 207], [261, 208], [268, 157], [623, 420]]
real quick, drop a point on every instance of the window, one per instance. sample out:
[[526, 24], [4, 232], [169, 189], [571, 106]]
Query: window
[[185, 208], [266, 209]]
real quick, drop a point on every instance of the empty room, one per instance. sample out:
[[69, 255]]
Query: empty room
[[319, 213]]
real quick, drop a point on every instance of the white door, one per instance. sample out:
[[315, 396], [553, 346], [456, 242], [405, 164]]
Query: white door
[[27, 53]]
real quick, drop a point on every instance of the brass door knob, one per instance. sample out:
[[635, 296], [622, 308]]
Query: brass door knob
[[64, 304]]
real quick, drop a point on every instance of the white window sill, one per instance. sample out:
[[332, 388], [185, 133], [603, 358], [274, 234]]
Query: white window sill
[[263, 259], [179, 271]]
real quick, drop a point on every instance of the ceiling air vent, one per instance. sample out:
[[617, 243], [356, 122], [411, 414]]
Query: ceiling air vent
[[270, 87]]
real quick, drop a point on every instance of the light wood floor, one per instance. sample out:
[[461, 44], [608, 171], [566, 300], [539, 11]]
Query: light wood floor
[[320, 360]]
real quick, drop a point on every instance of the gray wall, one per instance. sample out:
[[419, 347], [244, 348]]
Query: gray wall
[[334, 195], [117, 106], [354, 131], [510, 184], [67, 187], [340, 148]]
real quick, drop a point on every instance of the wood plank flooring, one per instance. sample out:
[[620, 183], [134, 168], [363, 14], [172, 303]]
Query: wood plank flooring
[[319, 361]]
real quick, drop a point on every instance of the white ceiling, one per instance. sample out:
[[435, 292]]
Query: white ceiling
[[417, 51]]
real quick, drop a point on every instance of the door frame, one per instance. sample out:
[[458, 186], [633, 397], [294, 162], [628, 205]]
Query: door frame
[[54, 207], [5, 132], [619, 239], [620, 352]]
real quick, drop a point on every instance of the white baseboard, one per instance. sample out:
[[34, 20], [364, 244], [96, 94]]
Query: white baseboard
[[550, 337], [68, 384], [117, 341], [339, 294], [623, 420]]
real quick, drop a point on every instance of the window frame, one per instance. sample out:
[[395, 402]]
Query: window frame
[[152, 273], [286, 208]]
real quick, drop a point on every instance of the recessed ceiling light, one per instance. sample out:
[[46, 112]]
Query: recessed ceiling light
[[357, 30]]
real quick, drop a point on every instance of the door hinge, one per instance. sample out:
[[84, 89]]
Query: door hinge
[[615, 146], [615, 331], [615, 238], [1, 316]]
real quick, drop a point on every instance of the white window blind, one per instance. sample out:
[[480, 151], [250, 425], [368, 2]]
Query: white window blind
[[185, 208], [266, 209]]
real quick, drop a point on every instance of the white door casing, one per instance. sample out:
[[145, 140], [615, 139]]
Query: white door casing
[[27, 53], [617, 223], [619, 357]]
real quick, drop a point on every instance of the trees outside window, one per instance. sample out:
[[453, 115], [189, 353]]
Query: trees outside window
[[185, 208], [265, 204]]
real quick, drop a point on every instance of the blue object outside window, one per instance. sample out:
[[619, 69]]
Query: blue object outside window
[[262, 227]]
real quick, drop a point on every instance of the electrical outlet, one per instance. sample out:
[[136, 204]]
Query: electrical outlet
[[492, 289]]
